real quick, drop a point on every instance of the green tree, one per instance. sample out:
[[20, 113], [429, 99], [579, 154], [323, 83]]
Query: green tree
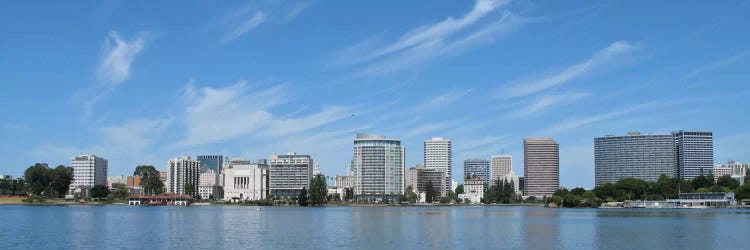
[[743, 192], [189, 189], [728, 181], [459, 189], [302, 199], [318, 190], [99, 191], [452, 196], [703, 181], [150, 180], [121, 191], [37, 178], [60, 179], [411, 196], [430, 192], [578, 191]]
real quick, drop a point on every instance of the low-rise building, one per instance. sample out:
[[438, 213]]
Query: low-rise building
[[734, 169], [473, 189], [244, 180], [208, 187]]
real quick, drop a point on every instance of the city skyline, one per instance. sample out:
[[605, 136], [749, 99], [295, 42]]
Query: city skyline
[[138, 85]]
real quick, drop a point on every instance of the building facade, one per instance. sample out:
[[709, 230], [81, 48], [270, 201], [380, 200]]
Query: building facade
[[635, 155], [734, 169], [438, 156], [474, 189], [514, 180], [88, 171], [244, 180], [694, 153], [344, 181], [208, 185], [211, 162], [474, 168], [541, 167], [378, 167], [182, 171], [500, 166], [289, 174], [419, 177]]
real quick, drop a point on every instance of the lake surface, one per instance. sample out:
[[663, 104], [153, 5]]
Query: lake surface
[[217, 227]]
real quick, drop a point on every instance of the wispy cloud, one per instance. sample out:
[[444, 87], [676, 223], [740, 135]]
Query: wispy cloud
[[523, 88], [119, 54], [577, 122], [430, 127], [422, 44], [715, 65], [126, 144], [546, 101], [239, 111], [248, 23], [16, 127], [443, 99]]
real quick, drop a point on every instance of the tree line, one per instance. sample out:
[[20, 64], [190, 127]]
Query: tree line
[[638, 189]]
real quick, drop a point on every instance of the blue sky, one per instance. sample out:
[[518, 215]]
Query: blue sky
[[141, 82]]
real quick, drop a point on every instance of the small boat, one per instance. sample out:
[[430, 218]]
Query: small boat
[[258, 209]]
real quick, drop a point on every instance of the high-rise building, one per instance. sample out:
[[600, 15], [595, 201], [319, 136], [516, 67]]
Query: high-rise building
[[500, 166], [410, 178], [88, 171], [289, 174], [183, 172], [244, 180], [541, 167], [378, 167], [211, 162], [474, 168], [694, 153], [438, 156], [635, 155]]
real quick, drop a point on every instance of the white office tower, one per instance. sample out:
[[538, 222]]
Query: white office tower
[[182, 171], [437, 156], [88, 170], [378, 167]]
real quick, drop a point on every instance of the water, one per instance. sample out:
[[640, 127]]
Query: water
[[212, 227]]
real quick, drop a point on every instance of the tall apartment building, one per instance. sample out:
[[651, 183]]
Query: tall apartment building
[[378, 167], [541, 166], [694, 153], [475, 168], [500, 166], [438, 156], [182, 171], [88, 170], [211, 162], [289, 174], [244, 180], [635, 155]]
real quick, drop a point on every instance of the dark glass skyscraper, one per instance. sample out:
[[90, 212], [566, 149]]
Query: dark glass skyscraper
[[477, 168], [213, 162]]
